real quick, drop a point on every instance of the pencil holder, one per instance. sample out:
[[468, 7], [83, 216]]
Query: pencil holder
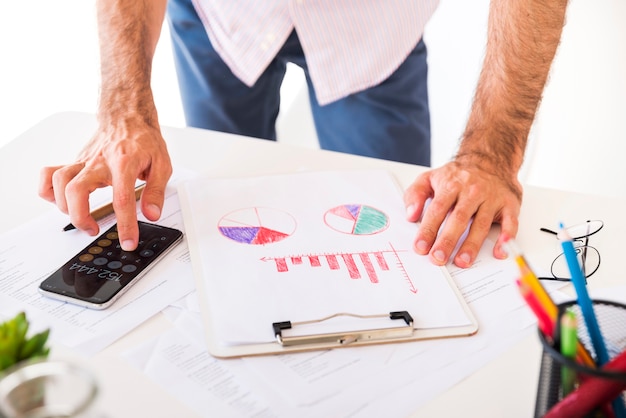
[[568, 387]]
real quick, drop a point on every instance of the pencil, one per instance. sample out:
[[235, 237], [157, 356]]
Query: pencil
[[584, 301], [594, 392], [546, 324], [531, 280], [569, 341], [586, 308], [105, 210]]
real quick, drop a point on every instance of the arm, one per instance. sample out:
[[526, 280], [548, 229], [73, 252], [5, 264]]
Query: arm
[[127, 144], [480, 186]]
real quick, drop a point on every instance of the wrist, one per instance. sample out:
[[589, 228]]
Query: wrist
[[496, 145], [502, 168], [127, 106]]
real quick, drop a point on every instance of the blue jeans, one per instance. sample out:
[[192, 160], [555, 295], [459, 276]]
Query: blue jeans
[[390, 120]]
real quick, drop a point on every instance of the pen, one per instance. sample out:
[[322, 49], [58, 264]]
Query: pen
[[569, 340], [105, 210]]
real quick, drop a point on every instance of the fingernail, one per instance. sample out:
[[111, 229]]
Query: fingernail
[[422, 246], [501, 252], [128, 245], [439, 256], [465, 258], [410, 210], [155, 210]]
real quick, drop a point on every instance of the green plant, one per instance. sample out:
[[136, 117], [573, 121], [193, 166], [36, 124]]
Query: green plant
[[15, 346]]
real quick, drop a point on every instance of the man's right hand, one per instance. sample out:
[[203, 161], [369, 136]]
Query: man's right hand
[[128, 144], [120, 152]]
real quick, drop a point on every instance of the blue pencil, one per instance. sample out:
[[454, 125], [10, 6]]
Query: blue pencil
[[584, 301], [586, 308]]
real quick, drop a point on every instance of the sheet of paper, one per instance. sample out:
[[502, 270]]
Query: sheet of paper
[[491, 291], [415, 390], [389, 380], [305, 246], [178, 361], [175, 359], [32, 251]]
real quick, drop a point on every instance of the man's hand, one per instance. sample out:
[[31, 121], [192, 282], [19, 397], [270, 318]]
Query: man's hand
[[480, 187], [117, 156], [463, 194], [128, 144]]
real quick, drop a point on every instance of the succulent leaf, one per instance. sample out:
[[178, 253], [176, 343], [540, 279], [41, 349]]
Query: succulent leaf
[[15, 346]]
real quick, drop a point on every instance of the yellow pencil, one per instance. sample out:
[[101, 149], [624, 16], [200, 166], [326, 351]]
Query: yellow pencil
[[529, 278]]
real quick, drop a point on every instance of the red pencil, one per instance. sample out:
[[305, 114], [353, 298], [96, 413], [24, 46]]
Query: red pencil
[[592, 393], [546, 325], [541, 296]]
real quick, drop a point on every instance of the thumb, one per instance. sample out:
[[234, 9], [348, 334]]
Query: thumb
[[152, 199]]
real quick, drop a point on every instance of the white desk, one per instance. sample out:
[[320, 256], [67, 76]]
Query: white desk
[[506, 387]]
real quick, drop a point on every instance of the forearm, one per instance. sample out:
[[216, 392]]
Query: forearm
[[523, 36], [128, 33]]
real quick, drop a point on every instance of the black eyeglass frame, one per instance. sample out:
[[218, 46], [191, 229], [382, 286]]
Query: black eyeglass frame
[[583, 245]]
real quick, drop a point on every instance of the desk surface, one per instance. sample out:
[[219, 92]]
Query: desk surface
[[505, 387]]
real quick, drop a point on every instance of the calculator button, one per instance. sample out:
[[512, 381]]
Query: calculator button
[[129, 268], [114, 264], [100, 261], [85, 258], [146, 253], [95, 250]]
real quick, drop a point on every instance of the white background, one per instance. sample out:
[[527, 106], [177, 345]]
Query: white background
[[49, 64]]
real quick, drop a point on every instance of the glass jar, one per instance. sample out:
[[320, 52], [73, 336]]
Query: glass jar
[[46, 389]]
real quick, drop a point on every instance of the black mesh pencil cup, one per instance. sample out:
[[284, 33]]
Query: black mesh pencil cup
[[611, 318]]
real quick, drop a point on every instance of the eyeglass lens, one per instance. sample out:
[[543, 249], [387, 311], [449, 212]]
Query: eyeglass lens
[[588, 258], [584, 229]]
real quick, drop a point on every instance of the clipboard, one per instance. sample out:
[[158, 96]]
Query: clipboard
[[295, 334]]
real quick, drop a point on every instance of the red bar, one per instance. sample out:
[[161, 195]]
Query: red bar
[[314, 260], [281, 265], [382, 263], [352, 268], [332, 262], [369, 267]]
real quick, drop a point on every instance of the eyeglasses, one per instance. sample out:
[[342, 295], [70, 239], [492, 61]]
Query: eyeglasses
[[588, 256]]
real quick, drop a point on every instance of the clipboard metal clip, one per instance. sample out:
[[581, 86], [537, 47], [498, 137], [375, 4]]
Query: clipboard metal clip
[[348, 337]]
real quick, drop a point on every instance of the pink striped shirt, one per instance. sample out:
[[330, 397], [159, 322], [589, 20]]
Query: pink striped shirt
[[349, 45]]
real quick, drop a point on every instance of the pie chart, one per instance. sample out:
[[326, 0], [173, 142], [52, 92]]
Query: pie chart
[[257, 225], [356, 219]]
